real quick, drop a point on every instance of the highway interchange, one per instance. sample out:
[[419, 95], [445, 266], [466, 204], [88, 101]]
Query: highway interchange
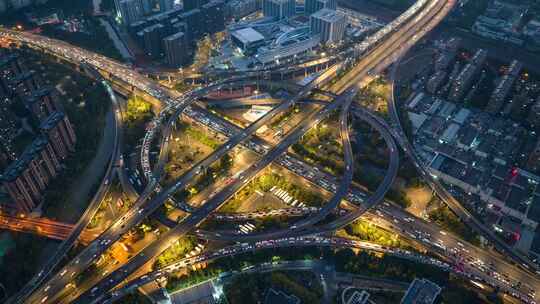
[[403, 34]]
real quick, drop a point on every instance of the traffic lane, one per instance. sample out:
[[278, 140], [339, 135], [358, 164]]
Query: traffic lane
[[456, 206], [284, 242], [242, 134], [348, 218], [142, 210], [90, 211], [200, 214], [327, 208], [399, 38], [499, 263]]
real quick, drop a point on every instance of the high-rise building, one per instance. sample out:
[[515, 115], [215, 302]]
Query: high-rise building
[[503, 87], [43, 102], [465, 78], [534, 158], [6, 5], [176, 49], [28, 176], [152, 37], [312, 6], [242, 8], [166, 5], [214, 18], [147, 6], [29, 172], [9, 128], [193, 4], [12, 63], [534, 114], [130, 11], [23, 84], [328, 23], [3, 5], [59, 131], [13, 81], [194, 23], [279, 9]]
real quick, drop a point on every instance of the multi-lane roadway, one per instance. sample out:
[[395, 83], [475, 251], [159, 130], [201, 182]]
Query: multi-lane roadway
[[92, 208], [215, 201], [428, 15]]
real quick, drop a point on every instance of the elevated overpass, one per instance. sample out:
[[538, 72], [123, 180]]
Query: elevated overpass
[[44, 227], [412, 34], [217, 200]]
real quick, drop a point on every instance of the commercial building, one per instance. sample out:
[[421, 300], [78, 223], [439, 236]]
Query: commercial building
[[270, 55], [312, 6], [329, 24], [421, 291], [176, 49], [247, 39], [279, 9]]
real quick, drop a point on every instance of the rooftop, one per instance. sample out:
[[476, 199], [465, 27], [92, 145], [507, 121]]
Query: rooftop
[[248, 35], [174, 36], [328, 15]]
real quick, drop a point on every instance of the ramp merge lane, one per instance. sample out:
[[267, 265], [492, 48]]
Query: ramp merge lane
[[214, 202], [399, 30]]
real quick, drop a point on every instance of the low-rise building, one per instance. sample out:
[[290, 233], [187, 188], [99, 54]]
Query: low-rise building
[[247, 39]]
